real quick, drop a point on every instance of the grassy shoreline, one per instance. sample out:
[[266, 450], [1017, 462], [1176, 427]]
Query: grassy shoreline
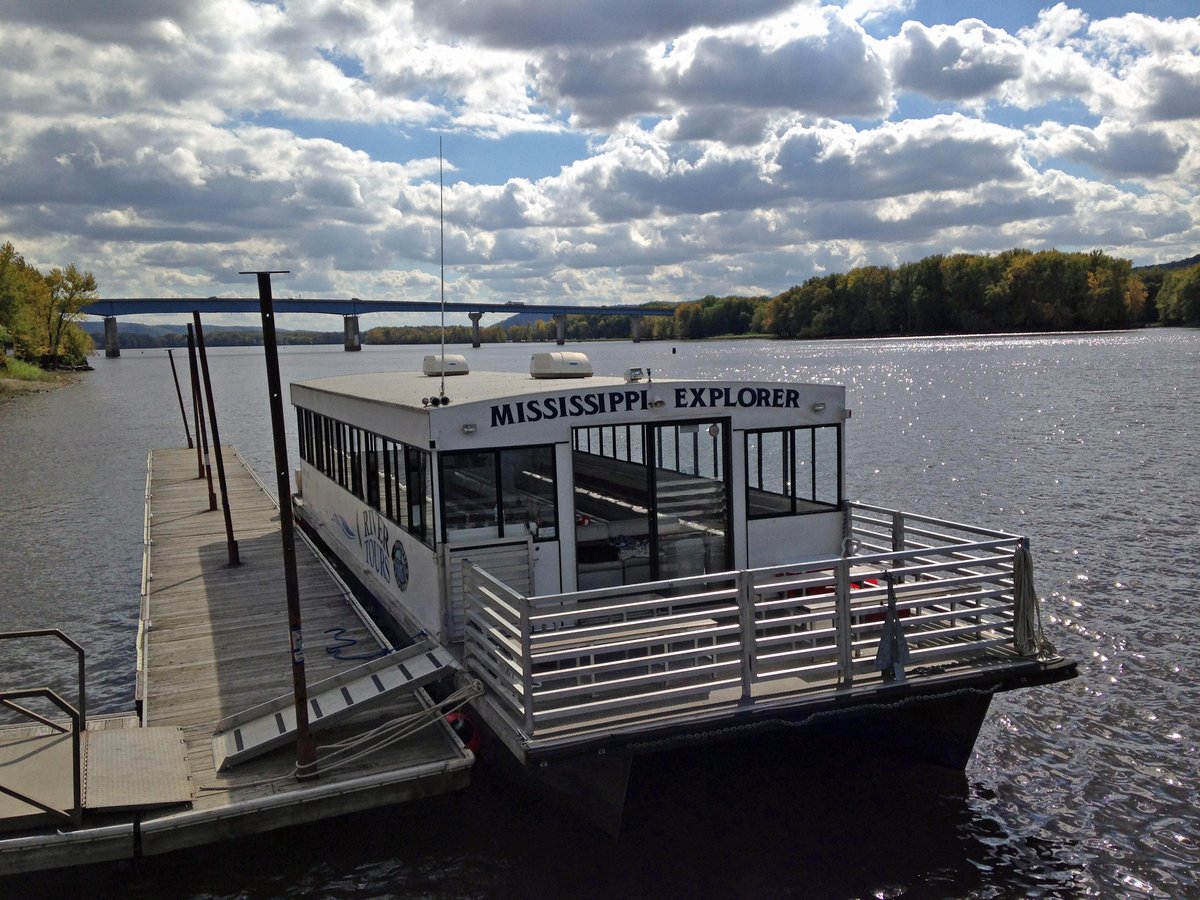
[[31, 380]]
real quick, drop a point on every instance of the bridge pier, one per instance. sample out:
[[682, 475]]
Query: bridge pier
[[560, 328], [475, 317], [112, 341], [353, 340], [635, 328]]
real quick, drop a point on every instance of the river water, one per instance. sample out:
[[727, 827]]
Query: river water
[[1085, 442]]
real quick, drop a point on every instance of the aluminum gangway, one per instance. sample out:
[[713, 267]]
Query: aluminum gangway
[[264, 727]]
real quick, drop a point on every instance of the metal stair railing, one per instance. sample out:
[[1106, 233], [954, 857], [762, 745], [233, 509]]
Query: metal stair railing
[[81, 704], [75, 817], [77, 715]]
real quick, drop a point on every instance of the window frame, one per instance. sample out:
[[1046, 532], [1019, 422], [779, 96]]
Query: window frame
[[798, 502]]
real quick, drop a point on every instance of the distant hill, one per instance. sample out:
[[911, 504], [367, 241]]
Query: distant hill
[[526, 318], [97, 328], [135, 335], [1177, 264]]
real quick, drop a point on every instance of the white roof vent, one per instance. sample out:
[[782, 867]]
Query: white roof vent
[[450, 364], [560, 364]]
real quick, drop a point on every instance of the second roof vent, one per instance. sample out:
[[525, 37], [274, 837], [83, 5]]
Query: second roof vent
[[560, 364]]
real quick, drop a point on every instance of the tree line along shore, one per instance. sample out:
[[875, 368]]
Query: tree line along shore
[[1015, 290]]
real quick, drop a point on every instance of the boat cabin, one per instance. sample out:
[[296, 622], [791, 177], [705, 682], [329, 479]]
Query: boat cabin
[[560, 480]]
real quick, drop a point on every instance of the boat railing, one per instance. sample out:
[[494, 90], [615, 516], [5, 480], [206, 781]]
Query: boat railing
[[558, 664]]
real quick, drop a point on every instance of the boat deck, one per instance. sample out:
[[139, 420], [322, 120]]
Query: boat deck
[[213, 641], [634, 664]]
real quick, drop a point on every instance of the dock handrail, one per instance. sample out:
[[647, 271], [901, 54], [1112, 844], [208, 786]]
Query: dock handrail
[[76, 716], [54, 632], [563, 663]]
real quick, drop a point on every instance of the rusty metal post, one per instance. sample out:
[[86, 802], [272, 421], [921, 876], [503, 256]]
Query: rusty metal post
[[230, 543], [179, 394], [201, 430], [195, 403], [306, 748]]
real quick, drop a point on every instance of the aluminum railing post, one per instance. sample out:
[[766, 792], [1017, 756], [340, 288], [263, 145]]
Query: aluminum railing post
[[749, 656], [526, 668], [898, 538], [845, 633]]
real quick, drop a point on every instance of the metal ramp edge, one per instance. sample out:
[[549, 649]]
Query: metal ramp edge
[[262, 728]]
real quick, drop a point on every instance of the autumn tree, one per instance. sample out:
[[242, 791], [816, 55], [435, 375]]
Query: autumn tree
[[23, 293], [69, 290]]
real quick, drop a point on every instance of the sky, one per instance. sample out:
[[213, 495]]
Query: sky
[[591, 151]]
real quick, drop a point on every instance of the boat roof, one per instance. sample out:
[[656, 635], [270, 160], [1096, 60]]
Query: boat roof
[[512, 409], [408, 389]]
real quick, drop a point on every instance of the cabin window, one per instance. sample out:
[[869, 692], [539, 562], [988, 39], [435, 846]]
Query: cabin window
[[528, 491], [791, 471], [388, 476], [327, 463], [371, 470], [340, 437], [302, 436], [470, 495], [499, 493], [354, 461], [419, 496]]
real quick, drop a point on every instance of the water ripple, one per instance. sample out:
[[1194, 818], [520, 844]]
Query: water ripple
[[1085, 789]]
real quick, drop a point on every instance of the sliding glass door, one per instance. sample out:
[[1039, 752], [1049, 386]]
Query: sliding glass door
[[651, 502]]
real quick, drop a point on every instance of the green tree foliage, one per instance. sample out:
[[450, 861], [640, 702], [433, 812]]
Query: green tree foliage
[[69, 290], [1017, 290], [716, 316], [40, 312], [1178, 299]]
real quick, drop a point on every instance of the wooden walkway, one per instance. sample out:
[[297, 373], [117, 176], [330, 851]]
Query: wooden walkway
[[213, 641]]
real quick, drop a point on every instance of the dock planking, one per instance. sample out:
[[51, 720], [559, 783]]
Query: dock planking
[[214, 641]]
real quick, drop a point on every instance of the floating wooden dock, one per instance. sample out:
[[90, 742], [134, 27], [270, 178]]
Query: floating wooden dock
[[212, 643]]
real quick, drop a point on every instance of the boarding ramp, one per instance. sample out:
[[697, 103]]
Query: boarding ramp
[[262, 728]]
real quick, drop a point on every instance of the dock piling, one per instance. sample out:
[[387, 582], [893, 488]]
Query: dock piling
[[179, 394], [231, 544], [306, 748], [201, 458]]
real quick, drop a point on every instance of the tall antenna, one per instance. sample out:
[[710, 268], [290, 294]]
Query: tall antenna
[[442, 257]]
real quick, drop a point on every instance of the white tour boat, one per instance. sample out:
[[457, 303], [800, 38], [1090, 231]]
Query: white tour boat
[[630, 565]]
